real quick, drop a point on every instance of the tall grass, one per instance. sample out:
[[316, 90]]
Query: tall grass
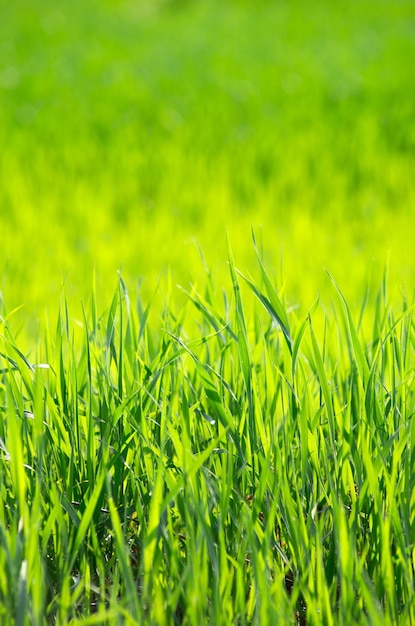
[[234, 462]]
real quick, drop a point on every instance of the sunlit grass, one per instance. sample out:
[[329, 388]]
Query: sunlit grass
[[199, 440], [258, 470]]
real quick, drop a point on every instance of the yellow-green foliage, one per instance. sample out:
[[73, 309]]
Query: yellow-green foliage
[[128, 129], [237, 451]]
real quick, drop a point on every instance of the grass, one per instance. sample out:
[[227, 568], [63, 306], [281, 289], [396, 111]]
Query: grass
[[130, 128], [240, 449], [259, 470]]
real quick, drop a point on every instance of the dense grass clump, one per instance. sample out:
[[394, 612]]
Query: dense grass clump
[[256, 467]]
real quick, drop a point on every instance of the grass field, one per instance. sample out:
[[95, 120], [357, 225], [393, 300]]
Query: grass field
[[198, 423]]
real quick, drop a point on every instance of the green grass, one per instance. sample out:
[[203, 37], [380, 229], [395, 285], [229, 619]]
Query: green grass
[[130, 128], [251, 472], [238, 449]]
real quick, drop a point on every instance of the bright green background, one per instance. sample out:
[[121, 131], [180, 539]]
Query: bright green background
[[128, 129]]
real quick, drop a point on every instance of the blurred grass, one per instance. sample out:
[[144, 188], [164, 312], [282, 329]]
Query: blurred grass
[[128, 129]]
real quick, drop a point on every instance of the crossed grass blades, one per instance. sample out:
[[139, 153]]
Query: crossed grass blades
[[253, 467]]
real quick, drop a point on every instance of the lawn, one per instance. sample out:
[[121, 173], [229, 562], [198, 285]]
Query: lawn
[[206, 316]]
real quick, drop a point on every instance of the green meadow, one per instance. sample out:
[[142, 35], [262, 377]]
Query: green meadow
[[207, 336]]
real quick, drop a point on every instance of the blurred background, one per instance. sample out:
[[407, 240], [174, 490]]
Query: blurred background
[[129, 130]]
